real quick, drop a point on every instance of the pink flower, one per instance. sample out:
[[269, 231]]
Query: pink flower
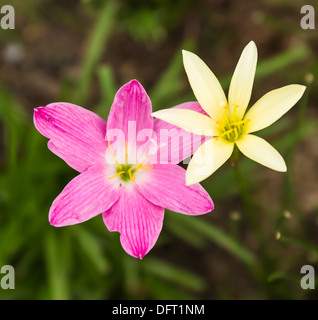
[[121, 179]]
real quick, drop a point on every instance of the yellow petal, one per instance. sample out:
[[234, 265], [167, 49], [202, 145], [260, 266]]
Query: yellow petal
[[189, 120], [207, 159], [206, 87], [261, 151], [242, 80], [272, 106]]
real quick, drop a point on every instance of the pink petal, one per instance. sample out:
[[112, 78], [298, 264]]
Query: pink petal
[[165, 186], [76, 135], [130, 113], [175, 144], [138, 221], [87, 195]]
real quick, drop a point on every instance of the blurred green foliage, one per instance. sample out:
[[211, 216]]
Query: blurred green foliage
[[86, 261]]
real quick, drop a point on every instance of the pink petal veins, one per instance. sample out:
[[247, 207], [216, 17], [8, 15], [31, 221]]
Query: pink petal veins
[[165, 186], [84, 197], [130, 113], [76, 135], [138, 221]]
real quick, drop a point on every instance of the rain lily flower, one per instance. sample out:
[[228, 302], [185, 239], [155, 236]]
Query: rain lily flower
[[228, 118], [117, 178]]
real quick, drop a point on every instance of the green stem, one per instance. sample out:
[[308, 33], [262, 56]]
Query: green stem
[[247, 201], [240, 180], [258, 271]]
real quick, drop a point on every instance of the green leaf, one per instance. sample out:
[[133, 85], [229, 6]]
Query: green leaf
[[161, 92], [107, 89], [92, 248], [162, 290], [219, 237], [95, 47], [56, 257], [172, 273]]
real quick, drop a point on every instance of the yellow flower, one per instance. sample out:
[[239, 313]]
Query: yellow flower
[[230, 123]]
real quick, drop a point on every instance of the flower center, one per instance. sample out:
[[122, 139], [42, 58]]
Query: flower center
[[230, 127], [126, 171]]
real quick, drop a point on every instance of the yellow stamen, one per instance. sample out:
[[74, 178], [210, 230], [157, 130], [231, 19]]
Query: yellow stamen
[[231, 128], [117, 174], [111, 151], [131, 172], [126, 153], [224, 120], [224, 134], [138, 167], [142, 167], [234, 112], [225, 113], [239, 122], [131, 177]]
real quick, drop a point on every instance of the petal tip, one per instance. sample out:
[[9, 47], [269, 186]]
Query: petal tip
[[186, 55], [252, 43], [131, 86], [161, 114], [53, 217], [136, 254], [53, 221], [283, 168], [303, 88], [252, 46], [134, 82], [56, 219], [37, 116], [190, 180], [211, 205], [299, 87], [184, 51], [37, 110]]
